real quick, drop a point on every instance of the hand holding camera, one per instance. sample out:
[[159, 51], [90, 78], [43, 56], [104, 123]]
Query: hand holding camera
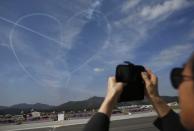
[[130, 83], [113, 92], [151, 84], [137, 79], [131, 75], [114, 89]]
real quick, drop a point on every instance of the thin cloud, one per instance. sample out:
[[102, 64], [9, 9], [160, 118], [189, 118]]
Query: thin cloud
[[137, 22], [169, 56], [75, 23], [97, 69], [164, 9], [92, 8], [128, 5], [4, 45], [191, 35]]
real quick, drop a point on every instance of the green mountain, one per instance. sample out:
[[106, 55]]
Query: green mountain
[[89, 104]]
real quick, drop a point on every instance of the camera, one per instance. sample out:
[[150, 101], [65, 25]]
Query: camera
[[131, 75]]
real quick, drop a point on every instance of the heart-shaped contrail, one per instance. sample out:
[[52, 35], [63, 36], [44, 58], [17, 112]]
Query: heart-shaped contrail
[[16, 24], [28, 29]]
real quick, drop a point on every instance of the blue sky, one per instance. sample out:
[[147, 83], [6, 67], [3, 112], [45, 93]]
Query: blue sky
[[56, 51]]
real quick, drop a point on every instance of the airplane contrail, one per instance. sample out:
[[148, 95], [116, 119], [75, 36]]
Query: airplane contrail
[[26, 28], [49, 38]]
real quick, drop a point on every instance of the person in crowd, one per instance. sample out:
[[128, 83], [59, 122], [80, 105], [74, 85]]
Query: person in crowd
[[168, 120]]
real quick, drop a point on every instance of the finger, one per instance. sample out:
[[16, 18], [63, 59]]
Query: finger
[[111, 80], [120, 84], [153, 77], [145, 78], [149, 71], [119, 87]]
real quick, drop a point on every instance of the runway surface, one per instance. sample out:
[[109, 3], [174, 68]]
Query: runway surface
[[135, 124]]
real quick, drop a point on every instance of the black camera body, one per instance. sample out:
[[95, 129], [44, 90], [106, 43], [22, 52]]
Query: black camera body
[[131, 75]]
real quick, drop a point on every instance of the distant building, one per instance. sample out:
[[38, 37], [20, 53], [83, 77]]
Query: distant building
[[61, 116], [35, 115], [173, 104]]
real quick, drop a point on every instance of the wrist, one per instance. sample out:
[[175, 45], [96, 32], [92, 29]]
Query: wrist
[[107, 107], [160, 106], [154, 97], [111, 99]]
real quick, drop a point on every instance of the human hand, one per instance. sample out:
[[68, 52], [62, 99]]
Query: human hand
[[151, 84], [114, 90], [113, 93], [151, 92]]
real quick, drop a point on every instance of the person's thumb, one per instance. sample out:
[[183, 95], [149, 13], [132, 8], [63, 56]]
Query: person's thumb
[[120, 86], [145, 78]]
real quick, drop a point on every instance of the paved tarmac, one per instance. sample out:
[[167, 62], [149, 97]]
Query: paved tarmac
[[135, 124]]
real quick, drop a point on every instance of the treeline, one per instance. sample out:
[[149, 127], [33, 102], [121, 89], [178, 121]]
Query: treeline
[[89, 104]]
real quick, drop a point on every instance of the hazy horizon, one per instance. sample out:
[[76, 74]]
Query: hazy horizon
[[68, 101]]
